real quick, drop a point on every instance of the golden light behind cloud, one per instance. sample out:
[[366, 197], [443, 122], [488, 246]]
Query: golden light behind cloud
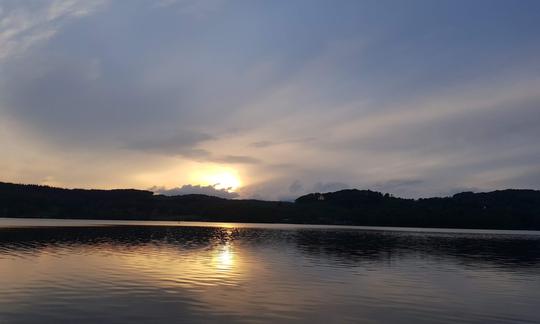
[[219, 177]]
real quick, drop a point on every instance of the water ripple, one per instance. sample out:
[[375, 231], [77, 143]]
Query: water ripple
[[127, 272]]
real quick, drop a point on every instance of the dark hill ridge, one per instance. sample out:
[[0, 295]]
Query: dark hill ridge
[[505, 209]]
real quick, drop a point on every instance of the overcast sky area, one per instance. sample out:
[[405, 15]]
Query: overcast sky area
[[414, 98]]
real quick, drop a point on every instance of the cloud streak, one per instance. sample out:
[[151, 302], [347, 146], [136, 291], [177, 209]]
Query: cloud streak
[[23, 27]]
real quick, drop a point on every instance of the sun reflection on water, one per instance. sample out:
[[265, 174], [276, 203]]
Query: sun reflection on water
[[224, 258], [217, 262]]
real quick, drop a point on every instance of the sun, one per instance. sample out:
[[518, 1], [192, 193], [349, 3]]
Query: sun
[[219, 177], [223, 180]]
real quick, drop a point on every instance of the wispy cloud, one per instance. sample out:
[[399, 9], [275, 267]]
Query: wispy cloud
[[23, 27]]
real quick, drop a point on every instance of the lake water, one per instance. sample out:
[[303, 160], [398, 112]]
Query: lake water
[[54, 271]]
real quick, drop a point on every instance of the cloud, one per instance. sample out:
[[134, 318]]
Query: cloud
[[264, 144], [235, 159], [182, 142], [195, 189], [22, 27], [186, 144]]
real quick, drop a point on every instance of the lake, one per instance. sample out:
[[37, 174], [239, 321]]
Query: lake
[[83, 271]]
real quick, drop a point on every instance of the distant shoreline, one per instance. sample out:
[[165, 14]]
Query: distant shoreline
[[499, 210]]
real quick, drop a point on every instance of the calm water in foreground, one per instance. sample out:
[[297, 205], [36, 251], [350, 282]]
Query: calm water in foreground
[[100, 272]]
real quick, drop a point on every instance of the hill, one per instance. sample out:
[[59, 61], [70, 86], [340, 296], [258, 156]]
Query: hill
[[503, 209]]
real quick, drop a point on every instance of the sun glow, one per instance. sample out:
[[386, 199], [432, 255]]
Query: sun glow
[[217, 176], [223, 180]]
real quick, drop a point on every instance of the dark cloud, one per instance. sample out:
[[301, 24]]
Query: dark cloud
[[185, 144], [180, 143], [195, 189], [264, 144]]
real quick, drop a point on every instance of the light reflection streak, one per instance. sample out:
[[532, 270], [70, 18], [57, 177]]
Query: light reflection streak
[[224, 259]]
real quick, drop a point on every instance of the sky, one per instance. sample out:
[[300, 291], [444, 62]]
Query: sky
[[271, 99]]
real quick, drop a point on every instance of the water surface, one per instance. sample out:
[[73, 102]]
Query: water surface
[[63, 271]]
